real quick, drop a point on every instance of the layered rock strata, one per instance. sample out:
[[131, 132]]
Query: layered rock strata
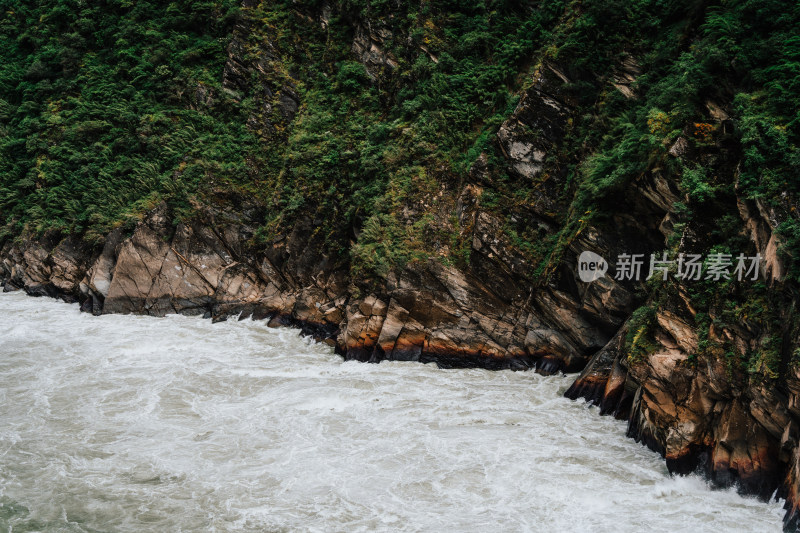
[[428, 312]]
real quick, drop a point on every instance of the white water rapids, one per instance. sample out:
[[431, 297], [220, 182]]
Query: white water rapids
[[132, 424]]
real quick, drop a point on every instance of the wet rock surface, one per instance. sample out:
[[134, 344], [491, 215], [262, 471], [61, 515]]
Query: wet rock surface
[[699, 414]]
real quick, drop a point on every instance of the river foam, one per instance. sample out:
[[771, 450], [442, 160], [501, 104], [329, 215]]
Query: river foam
[[130, 423]]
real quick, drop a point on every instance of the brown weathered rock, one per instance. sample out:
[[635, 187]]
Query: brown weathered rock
[[692, 415], [369, 47], [760, 225], [534, 129]]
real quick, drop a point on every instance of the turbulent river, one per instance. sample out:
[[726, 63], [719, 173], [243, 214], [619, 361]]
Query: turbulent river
[[131, 424]]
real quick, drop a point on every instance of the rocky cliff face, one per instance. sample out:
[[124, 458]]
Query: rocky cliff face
[[493, 313], [688, 397], [427, 312]]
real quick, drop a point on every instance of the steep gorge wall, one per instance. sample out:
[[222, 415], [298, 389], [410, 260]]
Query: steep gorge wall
[[491, 313]]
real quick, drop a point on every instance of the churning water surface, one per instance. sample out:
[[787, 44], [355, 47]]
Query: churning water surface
[[131, 424]]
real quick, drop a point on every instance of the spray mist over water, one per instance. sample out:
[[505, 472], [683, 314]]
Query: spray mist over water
[[130, 424]]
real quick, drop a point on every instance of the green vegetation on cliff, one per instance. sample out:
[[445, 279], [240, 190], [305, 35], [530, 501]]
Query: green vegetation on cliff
[[97, 115]]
